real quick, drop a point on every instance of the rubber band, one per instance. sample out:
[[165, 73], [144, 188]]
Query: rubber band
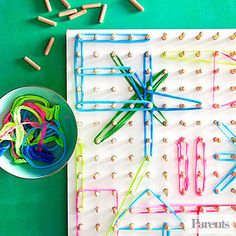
[[230, 176], [33, 132], [200, 159], [182, 157], [177, 58]]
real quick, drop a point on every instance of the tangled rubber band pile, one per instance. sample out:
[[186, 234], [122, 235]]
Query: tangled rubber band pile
[[32, 132]]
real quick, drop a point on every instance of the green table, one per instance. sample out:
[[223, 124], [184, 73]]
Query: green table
[[39, 207]]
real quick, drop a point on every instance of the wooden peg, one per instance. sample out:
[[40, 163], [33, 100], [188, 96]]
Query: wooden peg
[[233, 122], [181, 105], [199, 88], [164, 89], [80, 227], [165, 140], [131, 175], [113, 175], [198, 71], [114, 193], [131, 106], [65, 3], [181, 54], [113, 54], [102, 14], [131, 226], [182, 36], [216, 36], [77, 14], [182, 225], [148, 140], [181, 88], [199, 105], [32, 63], [164, 36], [114, 123], [181, 71], [233, 105], [131, 210], [47, 21], [165, 174], [216, 88], [164, 157], [95, 54], [130, 89], [48, 5], [233, 71], [114, 210], [98, 227], [149, 226], [233, 208], [147, 36], [96, 158], [216, 174], [166, 192], [233, 36], [131, 157], [113, 140], [96, 89], [130, 123], [199, 36], [96, 193], [137, 5], [113, 89], [96, 175], [165, 123], [216, 105], [148, 71], [67, 12], [113, 158], [198, 54], [232, 54], [183, 123], [233, 190], [97, 209], [114, 105], [216, 53], [148, 175], [90, 6], [216, 140], [130, 54], [96, 106], [131, 140]]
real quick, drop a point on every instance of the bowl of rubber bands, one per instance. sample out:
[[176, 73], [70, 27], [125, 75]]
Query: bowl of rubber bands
[[38, 132]]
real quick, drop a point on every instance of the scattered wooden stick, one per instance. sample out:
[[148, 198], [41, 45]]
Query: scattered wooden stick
[[67, 12], [102, 13], [47, 21], [65, 3], [80, 13], [49, 46], [93, 5], [48, 5], [32, 63], [137, 5]]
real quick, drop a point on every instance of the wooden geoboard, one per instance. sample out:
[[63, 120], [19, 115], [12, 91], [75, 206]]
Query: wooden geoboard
[[156, 117]]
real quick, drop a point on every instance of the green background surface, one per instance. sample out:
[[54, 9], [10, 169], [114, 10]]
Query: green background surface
[[39, 207]]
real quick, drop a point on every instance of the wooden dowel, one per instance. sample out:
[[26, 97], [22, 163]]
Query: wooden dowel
[[102, 13], [47, 21], [32, 63], [49, 46], [78, 14], [67, 12], [48, 5], [93, 5], [137, 5], [65, 3]]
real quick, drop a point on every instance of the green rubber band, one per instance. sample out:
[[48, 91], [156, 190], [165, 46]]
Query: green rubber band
[[110, 129], [143, 167]]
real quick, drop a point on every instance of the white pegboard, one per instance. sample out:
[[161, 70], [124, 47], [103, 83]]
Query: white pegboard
[[122, 148]]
